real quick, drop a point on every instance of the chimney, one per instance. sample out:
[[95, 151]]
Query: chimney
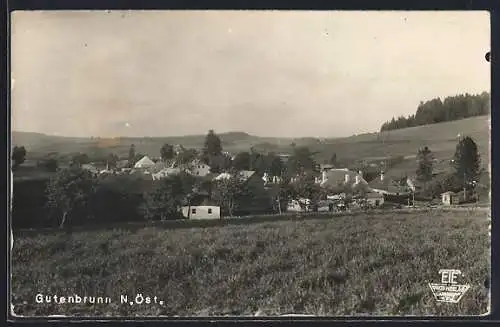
[[360, 173], [347, 178], [358, 179], [382, 176], [323, 176]]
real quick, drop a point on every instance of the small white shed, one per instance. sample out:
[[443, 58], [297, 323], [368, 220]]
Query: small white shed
[[205, 210]]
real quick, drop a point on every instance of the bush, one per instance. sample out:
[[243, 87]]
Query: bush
[[112, 202], [28, 204], [111, 205], [49, 164], [435, 188]]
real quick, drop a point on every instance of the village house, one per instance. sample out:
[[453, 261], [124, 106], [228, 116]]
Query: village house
[[268, 179], [162, 164], [374, 199], [284, 156], [299, 205], [120, 164], [199, 168], [450, 198], [144, 163], [342, 180], [323, 206], [305, 205], [177, 148], [166, 172], [205, 209], [249, 177], [228, 154], [163, 168], [167, 168], [453, 198], [386, 185], [394, 191], [91, 168], [337, 197], [244, 174]]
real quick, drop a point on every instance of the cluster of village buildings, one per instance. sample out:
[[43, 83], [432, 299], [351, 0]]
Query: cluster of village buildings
[[341, 184]]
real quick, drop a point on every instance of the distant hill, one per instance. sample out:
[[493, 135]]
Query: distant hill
[[39, 144], [441, 138]]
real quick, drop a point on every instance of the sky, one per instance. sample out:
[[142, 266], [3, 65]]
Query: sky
[[267, 73]]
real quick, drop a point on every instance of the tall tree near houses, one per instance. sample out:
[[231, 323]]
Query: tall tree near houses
[[306, 187], [301, 161], [283, 192], [227, 162], [211, 148], [276, 167], [333, 160], [242, 161], [131, 155], [164, 201], [213, 144], [217, 163], [257, 162], [190, 189], [425, 160], [467, 160], [185, 158], [166, 152], [229, 190], [51, 164], [111, 160], [69, 193], [80, 159]]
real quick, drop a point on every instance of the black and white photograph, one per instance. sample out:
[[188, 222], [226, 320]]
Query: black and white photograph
[[252, 163]]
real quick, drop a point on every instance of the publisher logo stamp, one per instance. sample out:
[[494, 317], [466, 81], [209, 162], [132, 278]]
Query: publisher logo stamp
[[449, 290]]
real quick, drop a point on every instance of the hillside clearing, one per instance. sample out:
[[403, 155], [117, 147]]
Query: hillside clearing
[[368, 264]]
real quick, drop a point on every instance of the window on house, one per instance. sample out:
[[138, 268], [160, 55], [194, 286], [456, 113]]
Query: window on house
[[193, 211], [210, 211], [377, 202]]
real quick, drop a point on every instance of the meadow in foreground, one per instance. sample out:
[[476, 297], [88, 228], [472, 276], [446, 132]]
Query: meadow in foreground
[[367, 264]]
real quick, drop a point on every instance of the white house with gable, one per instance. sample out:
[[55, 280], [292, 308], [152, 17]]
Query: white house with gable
[[144, 163]]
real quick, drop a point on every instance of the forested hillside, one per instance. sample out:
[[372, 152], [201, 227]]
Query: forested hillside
[[437, 111]]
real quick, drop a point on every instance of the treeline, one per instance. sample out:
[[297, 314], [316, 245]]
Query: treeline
[[437, 111]]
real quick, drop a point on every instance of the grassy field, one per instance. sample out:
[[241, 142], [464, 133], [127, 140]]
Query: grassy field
[[366, 264]]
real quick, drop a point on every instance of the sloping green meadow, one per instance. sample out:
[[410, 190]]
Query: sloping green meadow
[[367, 264]]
